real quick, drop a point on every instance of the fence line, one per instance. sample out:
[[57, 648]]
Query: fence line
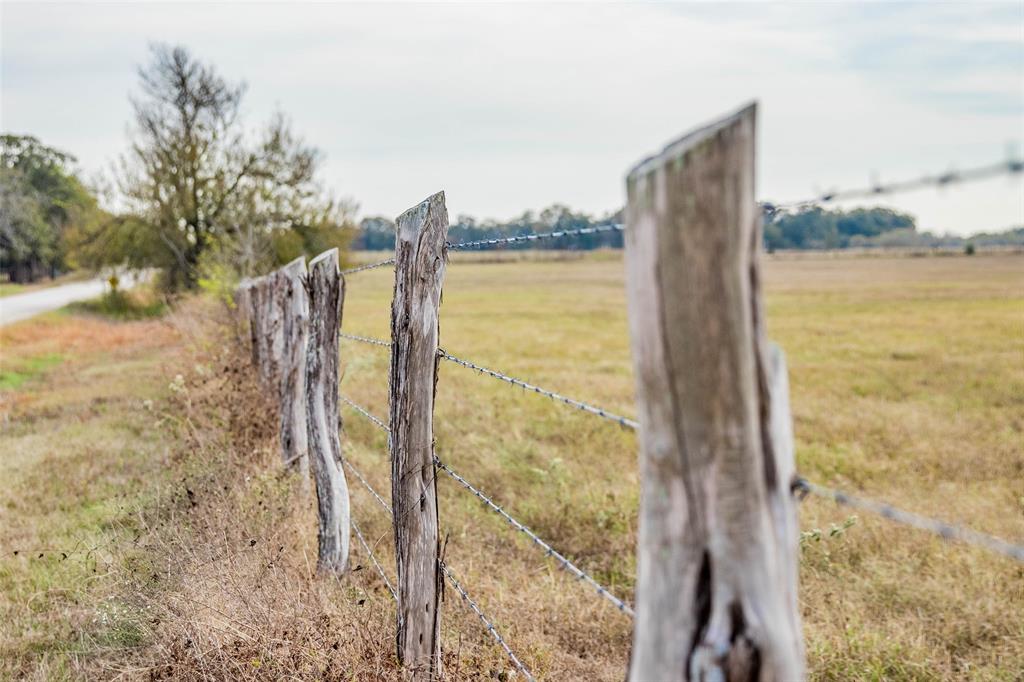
[[1011, 167], [367, 485], [420, 312], [361, 410], [371, 266], [538, 236], [601, 590], [376, 564], [625, 422], [487, 623], [947, 531], [569, 566], [365, 339], [578, 404]]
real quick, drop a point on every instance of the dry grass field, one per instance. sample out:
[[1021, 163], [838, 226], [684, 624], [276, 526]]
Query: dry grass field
[[907, 380]]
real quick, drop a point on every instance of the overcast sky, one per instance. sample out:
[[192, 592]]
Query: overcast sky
[[516, 106]]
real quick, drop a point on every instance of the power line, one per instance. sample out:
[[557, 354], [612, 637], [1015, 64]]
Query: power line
[[548, 549], [942, 529]]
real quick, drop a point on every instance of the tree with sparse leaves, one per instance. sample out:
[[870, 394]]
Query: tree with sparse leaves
[[199, 186]]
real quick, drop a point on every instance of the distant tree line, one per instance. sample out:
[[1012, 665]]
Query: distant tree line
[[817, 228], [804, 229]]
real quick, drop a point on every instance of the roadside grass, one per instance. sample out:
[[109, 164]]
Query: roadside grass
[[14, 374], [907, 380], [74, 454], [139, 303]]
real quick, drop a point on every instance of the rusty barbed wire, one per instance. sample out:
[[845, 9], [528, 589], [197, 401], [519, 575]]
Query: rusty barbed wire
[[487, 623], [601, 590], [376, 564], [947, 531]]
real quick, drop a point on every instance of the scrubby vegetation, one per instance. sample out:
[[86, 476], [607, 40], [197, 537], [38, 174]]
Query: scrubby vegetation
[[118, 304]]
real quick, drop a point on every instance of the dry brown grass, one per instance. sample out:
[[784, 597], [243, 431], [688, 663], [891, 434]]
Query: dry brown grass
[[907, 382]]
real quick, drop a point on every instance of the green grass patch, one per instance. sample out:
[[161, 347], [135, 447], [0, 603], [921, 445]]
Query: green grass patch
[[8, 289], [14, 374]]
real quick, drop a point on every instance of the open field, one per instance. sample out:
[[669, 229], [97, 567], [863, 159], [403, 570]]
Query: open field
[[907, 380], [907, 385]]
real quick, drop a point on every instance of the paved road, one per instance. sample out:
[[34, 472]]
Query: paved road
[[23, 306]]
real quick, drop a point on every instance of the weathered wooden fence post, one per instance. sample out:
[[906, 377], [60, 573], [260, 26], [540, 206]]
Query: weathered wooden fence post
[[264, 327], [420, 255], [326, 290], [293, 302], [717, 557]]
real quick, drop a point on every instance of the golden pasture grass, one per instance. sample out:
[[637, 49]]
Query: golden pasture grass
[[907, 385]]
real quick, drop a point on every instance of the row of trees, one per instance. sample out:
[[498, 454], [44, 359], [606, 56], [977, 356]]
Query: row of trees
[[817, 228], [198, 194], [806, 228]]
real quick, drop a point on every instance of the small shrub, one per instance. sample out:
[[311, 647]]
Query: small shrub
[[122, 305], [969, 249]]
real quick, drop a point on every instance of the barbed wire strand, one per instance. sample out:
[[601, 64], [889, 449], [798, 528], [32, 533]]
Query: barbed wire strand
[[625, 422], [617, 227], [373, 559], [369, 487], [1010, 167], [370, 266], [501, 240], [580, 405], [944, 530], [548, 549], [365, 339], [487, 623], [361, 410]]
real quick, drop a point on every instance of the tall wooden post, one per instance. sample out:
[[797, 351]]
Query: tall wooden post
[[326, 290], [717, 557], [420, 255], [290, 291]]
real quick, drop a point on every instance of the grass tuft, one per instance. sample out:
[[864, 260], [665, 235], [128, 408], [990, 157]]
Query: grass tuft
[[123, 305]]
